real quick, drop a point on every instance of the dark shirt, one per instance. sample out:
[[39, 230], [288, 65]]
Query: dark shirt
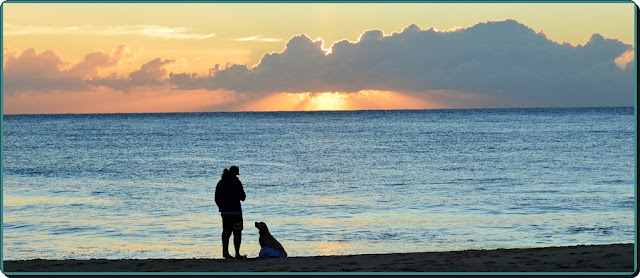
[[229, 193]]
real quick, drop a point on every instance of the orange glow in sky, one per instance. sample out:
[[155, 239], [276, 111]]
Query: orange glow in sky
[[133, 58], [107, 101]]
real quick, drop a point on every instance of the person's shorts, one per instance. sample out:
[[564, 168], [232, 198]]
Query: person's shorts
[[232, 221]]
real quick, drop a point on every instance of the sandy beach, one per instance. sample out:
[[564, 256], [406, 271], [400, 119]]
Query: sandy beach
[[589, 258]]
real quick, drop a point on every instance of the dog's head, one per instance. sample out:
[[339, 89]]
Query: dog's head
[[262, 227]]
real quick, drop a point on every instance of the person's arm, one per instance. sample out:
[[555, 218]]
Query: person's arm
[[218, 200], [242, 194]]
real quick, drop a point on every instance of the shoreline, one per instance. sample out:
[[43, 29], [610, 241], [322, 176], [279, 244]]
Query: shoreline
[[608, 258]]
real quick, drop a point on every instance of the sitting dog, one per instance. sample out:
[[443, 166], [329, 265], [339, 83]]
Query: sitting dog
[[270, 247]]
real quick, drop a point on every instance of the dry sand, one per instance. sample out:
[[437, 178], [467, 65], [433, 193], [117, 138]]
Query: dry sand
[[591, 258]]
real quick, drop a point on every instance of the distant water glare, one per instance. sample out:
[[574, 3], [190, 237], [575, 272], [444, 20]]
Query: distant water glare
[[344, 182]]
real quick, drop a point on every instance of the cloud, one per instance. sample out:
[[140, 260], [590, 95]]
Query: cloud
[[30, 71], [47, 72], [258, 38], [151, 73], [503, 58], [623, 60], [94, 61], [13, 30], [154, 31]]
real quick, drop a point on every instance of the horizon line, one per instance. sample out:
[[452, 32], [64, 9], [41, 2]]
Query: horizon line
[[324, 111]]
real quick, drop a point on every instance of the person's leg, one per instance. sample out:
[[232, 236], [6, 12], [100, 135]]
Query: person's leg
[[237, 240], [226, 234]]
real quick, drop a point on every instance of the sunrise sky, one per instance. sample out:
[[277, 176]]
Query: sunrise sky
[[115, 58]]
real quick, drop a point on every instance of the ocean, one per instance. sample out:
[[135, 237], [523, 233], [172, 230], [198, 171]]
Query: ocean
[[326, 183]]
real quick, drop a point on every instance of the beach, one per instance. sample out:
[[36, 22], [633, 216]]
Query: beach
[[582, 258]]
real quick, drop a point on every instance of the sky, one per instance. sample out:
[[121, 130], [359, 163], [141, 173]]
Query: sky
[[201, 57]]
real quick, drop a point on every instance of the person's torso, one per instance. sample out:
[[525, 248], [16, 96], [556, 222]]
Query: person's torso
[[230, 193]]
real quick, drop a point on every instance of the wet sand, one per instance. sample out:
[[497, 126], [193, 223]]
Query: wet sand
[[590, 258]]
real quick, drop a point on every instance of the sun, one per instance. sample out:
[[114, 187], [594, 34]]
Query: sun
[[328, 101]]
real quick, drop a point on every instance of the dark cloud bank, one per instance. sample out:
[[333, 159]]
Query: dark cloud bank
[[496, 59]]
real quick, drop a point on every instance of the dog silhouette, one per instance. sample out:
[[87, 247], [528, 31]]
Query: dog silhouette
[[269, 246]]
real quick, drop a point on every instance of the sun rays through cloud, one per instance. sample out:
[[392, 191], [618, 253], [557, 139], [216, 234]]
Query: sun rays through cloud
[[337, 101]]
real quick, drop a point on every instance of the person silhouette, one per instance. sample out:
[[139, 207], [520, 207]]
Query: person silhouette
[[229, 193]]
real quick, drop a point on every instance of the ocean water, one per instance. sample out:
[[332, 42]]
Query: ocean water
[[343, 182]]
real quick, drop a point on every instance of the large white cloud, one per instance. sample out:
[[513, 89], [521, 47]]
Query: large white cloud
[[502, 58]]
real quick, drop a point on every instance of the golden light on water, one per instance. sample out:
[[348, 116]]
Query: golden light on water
[[326, 248], [39, 200]]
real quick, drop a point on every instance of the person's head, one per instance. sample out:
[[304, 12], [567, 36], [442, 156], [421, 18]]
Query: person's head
[[225, 172], [233, 170]]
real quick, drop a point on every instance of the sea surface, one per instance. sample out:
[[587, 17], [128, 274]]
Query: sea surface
[[343, 182]]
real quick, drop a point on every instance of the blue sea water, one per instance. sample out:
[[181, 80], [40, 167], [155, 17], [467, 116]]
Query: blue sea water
[[342, 182]]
